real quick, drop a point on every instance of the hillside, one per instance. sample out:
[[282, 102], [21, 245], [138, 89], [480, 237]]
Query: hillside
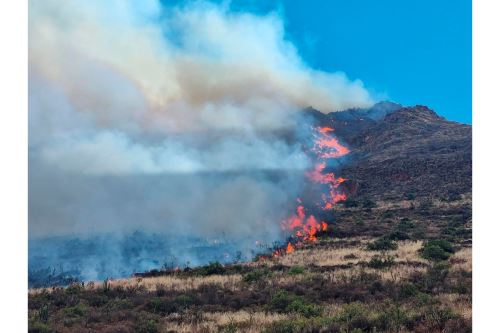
[[404, 151], [396, 256], [407, 160]]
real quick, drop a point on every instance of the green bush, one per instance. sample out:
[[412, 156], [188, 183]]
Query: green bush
[[405, 224], [393, 318], [437, 250], [285, 326], [280, 301], [296, 270], [398, 235], [382, 244], [408, 290], [283, 301], [354, 316], [445, 245], [435, 253], [303, 308], [75, 311], [256, 275]]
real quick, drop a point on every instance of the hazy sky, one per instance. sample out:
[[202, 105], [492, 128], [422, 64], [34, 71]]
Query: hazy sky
[[413, 52]]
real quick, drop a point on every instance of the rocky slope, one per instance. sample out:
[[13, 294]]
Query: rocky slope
[[400, 152]]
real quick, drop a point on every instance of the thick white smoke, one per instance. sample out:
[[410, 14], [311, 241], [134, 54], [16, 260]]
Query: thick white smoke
[[194, 96]]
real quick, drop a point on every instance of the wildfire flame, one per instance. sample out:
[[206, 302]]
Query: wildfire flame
[[303, 226]]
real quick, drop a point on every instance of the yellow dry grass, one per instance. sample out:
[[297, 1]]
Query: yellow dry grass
[[462, 260], [179, 284], [246, 321], [407, 252]]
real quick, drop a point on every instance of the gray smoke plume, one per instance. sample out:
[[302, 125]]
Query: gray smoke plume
[[175, 121]]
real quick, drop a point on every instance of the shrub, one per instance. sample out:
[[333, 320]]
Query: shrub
[[435, 253], [256, 275], [119, 304], [433, 280], [437, 250], [75, 311], [379, 262], [283, 301], [146, 326], [184, 301], [408, 290], [161, 290], [398, 235], [230, 327], [387, 214], [285, 326], [212, 269], [74, 288], [296, 270], [43, 314], [354, 316], [405, 224], [445, 245], [382, 244], [305, 309], [280, 301], [392, 319]]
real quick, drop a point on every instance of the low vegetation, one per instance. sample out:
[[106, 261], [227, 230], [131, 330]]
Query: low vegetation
[[382, 272]]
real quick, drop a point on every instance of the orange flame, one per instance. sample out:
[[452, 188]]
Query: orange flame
[[306, 229], [325, 129], [326, 146]]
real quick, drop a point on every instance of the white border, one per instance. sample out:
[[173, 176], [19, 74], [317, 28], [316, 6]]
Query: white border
[[486, 128], [13, 148], [13, 165]]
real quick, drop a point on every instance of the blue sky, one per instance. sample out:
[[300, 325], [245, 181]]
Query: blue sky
[[413, 52]]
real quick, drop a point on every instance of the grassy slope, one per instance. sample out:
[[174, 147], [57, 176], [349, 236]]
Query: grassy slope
[[333, 285]]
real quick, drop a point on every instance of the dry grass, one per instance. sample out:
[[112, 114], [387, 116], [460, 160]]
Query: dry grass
[[466, 199], [462, 260], [246, 321], [407, 252], [179, 284], [460, 304], [331, 255], [166, 282]]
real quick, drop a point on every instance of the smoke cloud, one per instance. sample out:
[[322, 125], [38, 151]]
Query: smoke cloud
[[175, 120]]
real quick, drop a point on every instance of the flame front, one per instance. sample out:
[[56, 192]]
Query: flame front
[[305, 226]]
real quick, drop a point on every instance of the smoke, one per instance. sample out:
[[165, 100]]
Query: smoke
[[175, 120]]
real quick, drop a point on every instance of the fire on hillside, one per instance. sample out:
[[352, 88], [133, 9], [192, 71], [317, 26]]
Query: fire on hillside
[[303, 226]]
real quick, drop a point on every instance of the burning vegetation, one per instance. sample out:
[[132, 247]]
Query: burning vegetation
[[303, 225]]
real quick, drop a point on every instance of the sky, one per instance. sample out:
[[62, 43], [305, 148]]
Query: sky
[[411, 52]]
